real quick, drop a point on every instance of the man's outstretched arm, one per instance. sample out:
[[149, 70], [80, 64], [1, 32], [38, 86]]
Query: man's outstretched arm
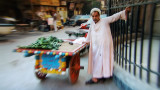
[[120, 15]]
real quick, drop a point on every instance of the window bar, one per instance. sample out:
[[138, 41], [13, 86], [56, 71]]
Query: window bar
[[130, 44], [120, 58], [114, 40], [115, 34], [122, 22], [142, 38], [117, 39], [158, 82], [112, 30], [135, 44], [150, 42], [109, 6], [126, 41], [121, 32]]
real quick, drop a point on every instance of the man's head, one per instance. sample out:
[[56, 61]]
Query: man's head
[[95, 13]]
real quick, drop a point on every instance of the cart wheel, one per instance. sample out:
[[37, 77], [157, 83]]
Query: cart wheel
[[40, 75], [74, 67]]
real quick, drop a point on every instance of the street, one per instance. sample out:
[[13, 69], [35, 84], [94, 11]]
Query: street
[[17, 71]]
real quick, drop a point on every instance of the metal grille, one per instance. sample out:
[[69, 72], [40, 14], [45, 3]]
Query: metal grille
[[135, 40]]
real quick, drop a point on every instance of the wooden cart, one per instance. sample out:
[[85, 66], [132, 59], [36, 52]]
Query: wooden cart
[[57, 61]]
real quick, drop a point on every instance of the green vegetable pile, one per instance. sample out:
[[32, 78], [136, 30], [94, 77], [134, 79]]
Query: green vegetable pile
[[45, 43]]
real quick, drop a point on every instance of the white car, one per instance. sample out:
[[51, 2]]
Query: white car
[[6, 25]]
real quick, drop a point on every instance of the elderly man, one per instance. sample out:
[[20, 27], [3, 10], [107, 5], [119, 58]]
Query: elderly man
[[100, 63]]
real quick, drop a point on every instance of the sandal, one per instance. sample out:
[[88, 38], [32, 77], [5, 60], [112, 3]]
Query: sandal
[[91, 82], [102, 80]]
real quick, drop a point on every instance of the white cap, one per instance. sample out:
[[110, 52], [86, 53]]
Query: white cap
[[97, 10]]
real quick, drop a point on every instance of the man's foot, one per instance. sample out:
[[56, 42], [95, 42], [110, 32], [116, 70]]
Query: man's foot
[[102, 80], [92, 81]]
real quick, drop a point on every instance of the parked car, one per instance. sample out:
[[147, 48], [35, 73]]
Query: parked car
[[6, 25], [73, 20], [78, 19], [86, 25], [82, 19]]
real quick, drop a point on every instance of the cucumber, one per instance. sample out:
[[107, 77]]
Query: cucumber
[[45, 43]]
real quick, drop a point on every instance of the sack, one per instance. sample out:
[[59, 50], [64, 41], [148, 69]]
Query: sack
[[50, 21], [55, 18]]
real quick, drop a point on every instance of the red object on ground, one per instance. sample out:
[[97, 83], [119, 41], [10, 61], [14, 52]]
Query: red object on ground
[[83, 26], [86, 35]]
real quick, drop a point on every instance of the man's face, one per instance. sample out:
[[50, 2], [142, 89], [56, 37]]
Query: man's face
[[95, 16]]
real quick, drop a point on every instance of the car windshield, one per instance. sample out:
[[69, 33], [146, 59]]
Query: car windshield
[[85, 16], [103, 16], [75, 17]]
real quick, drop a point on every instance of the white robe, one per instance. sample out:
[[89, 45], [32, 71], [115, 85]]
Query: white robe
[[101, 54]]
